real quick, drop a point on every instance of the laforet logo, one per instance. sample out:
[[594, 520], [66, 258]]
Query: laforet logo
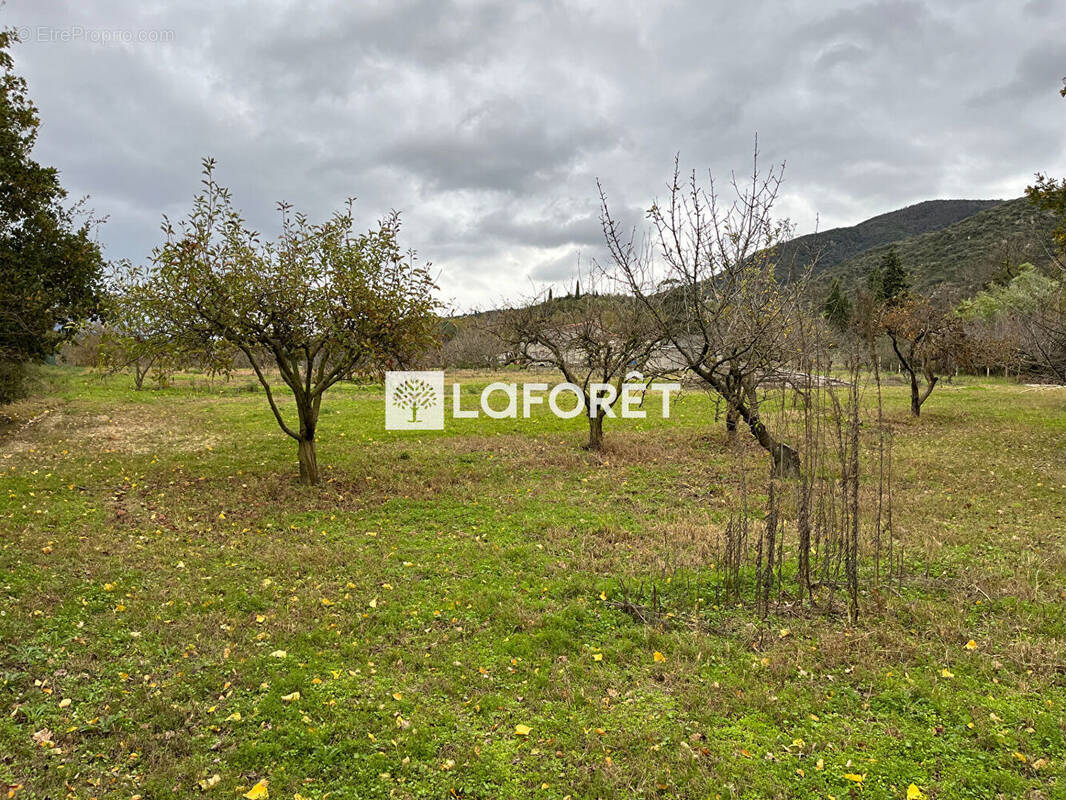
[[414, 400]]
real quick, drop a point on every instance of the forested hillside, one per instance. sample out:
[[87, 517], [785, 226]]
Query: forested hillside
[[956, 245], [837, 245]]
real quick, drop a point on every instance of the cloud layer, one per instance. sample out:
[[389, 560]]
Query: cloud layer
[[487, 124]]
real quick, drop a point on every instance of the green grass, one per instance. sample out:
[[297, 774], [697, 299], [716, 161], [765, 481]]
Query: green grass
[[440, 589]]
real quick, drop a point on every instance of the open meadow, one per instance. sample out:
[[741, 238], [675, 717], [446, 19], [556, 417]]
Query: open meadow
[[444, 615]]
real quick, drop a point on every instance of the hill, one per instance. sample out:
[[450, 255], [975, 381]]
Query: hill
[[837, 245], [951, 245], [960, 258]]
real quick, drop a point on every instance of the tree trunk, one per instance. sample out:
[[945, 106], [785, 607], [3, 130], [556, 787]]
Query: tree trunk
[[308, 462], [786, 459], [140, 372], [596, 432], [731, 420], [917, 397], [851, 552], [308, 412]]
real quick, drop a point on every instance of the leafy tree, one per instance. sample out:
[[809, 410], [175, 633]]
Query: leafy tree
[[873, 284], [1029, 311], [927, 340], [837, 309], [138, 339], [50, 268], [1050, 195], [320, 303]]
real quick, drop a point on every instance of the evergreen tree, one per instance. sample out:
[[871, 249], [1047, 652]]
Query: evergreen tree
[[577, 290], [894, 280], [837, 309]]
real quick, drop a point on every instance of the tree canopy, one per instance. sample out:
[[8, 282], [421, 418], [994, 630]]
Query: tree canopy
[[50, 268], [320, 303]]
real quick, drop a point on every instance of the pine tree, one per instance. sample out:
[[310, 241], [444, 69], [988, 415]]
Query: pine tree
[[577, 290], [837, 309], [895, 282]]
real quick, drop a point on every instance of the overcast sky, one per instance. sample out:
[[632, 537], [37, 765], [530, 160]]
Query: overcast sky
[[487, 124]]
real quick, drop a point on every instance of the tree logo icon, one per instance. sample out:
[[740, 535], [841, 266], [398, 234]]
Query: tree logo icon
[[415, 394], [414, 400]]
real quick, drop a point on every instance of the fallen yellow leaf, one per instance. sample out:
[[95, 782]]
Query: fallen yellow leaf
[[259, 791], [971, 645], [914, 793], [522, 730], [851, 776], [289, 698], [209, 783], [657, 656]]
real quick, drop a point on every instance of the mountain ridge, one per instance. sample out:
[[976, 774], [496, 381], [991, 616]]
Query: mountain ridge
[[958, 257], [836, 245]]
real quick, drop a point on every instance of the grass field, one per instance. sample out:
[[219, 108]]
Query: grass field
[[436, 620]]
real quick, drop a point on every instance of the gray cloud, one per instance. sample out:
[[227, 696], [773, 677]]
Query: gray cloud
[[488, 123]]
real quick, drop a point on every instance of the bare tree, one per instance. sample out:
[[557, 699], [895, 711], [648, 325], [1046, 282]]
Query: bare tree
[[594, 340], [472, 346], [706, 274]]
